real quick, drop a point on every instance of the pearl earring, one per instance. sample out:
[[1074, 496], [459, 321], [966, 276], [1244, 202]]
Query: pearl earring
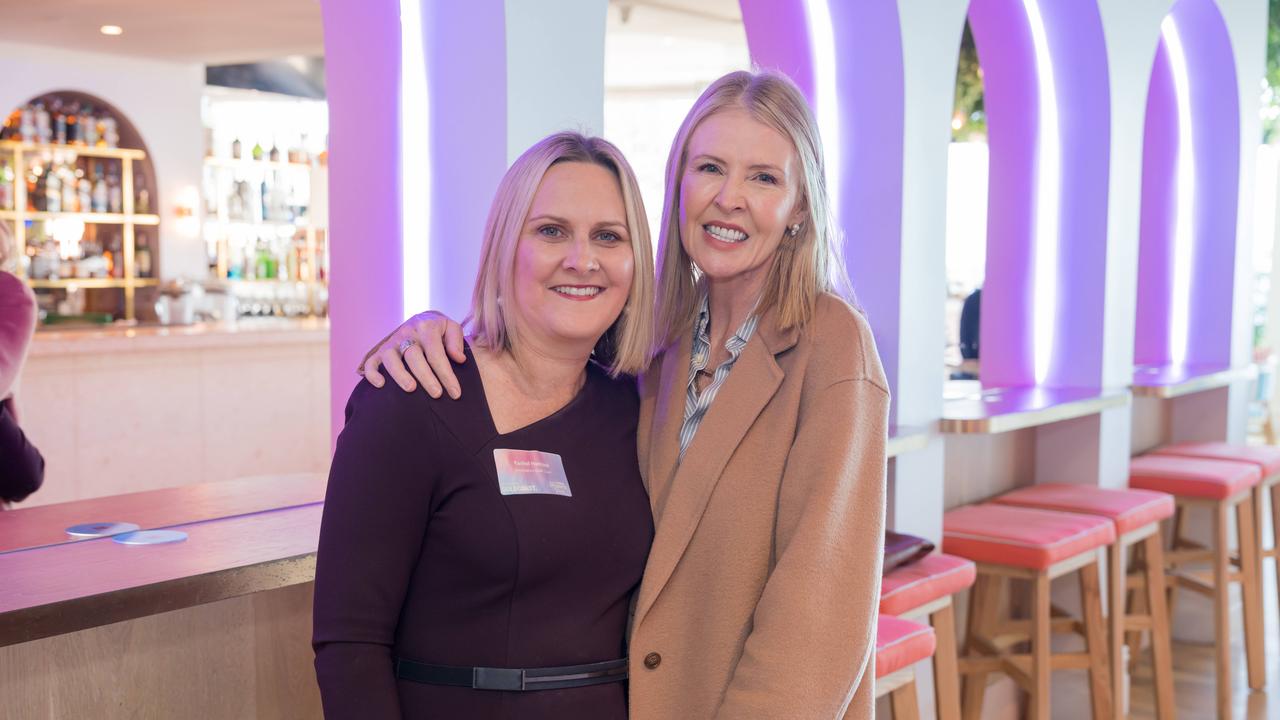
[[794, 230]]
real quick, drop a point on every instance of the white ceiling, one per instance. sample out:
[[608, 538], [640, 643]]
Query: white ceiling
[[231, 31]]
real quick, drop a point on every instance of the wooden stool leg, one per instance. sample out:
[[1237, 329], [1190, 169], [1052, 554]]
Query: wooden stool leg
[[984, 613], [1095, 634], [1041, 661], [904, 703], [1161, 648], [1222, 610], [1251, 593], [1137, 606], [946, 676], [1116, 607]]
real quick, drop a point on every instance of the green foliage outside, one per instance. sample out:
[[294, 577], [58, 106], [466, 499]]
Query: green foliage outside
[[969, 121], [1271, 86]]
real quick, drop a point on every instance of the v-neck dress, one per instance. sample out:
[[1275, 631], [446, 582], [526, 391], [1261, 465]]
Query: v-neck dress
[[422, 557]]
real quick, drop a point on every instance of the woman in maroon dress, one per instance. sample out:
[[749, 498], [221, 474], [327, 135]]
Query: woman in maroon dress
[[477, 558]]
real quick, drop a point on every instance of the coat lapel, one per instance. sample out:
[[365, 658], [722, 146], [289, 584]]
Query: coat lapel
[[668, 414], [754, 380]]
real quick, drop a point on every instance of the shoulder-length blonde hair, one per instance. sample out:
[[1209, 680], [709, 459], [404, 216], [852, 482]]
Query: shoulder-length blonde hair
[[625, 347], [805, 266]]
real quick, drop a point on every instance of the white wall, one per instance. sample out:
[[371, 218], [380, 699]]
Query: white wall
[[161, 99]]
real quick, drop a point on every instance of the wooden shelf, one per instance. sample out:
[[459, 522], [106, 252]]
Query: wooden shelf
[[89, 218], [904, 439], [93, 283], [998, 410], [82, 150], [251, 164], [1171, 381]]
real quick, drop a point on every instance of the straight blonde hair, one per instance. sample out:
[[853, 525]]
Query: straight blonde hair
[[805, 266], [626, 346]]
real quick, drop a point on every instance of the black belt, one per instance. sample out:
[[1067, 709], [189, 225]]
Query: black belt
[[513, 679]]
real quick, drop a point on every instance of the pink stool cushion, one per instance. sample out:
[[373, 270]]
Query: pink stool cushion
[[901, 643], [1022, 537], [1267, 458], [1128, 509], [931, 577], [1192, 477]]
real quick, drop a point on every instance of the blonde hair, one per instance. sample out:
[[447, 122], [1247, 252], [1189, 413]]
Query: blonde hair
[[625, 347], [805, 266]]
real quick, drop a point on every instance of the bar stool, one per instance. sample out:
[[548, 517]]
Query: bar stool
[[921, 590], [1137, 515], [899, 645], [1218, 486], [1267, 459], [1038, 546]]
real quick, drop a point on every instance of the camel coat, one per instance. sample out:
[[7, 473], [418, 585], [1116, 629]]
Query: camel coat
[[760, 595]]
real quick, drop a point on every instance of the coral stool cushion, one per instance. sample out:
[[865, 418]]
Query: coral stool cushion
[[1192, 477], [901, 643], [1128, 509], [920, 583], [1022, 537], [1266, 457]]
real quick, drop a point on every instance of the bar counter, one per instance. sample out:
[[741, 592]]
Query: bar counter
[[218, 625], [247, 332], [117, 410]]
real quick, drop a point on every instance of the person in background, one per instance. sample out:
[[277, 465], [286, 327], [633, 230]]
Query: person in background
[[763, 424], [970, 317], [21, 465], [478, 558]]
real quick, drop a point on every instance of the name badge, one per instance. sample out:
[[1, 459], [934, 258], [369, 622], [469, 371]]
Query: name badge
[[530, 472]]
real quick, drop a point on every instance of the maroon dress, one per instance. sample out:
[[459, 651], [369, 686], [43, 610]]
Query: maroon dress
[[423, 558]]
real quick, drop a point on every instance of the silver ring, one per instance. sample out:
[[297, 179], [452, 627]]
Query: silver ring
[[406, 344]]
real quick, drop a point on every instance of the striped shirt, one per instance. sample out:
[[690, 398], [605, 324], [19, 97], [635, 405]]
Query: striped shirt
[[696, 404]]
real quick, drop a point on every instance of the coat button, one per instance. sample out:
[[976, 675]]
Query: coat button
[[652, 660]]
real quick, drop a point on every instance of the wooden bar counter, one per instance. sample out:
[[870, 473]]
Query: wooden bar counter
[[216, 626]]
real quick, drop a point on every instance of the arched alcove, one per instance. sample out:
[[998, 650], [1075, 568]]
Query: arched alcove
[[1047, 102], [1190, 184]]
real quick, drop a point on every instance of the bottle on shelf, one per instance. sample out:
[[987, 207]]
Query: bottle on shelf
[[235, 149], [7, 190], [142, 203], [59, 124], [70, 188], [263, 200], [89, 127], [257, 151], [73, 124], [44, 124], [52, 191], [142, 257], [84, 190], [35, 187], [274, 155], [115, 195], [110, 132], [27, 128], [100, 194]]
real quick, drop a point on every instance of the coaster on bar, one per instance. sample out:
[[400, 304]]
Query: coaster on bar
[[100, 529], [150, 537]]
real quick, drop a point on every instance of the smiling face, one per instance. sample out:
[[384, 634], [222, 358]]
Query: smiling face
[[739, 193], [574, 261]]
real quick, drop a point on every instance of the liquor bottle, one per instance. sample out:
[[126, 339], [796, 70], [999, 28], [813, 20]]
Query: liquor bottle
[[44, 128], [52, 191], [73, 124], [110, 132], [59, 124], [84, 188], [28, 126], [257, 151], [115, 246], [89, 127], [142, 204], [70, 189], [6, 186], [35, 188], [235, 149], [275, 152], [115, 195], [142, 257], [100, 194], [262, 198]]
